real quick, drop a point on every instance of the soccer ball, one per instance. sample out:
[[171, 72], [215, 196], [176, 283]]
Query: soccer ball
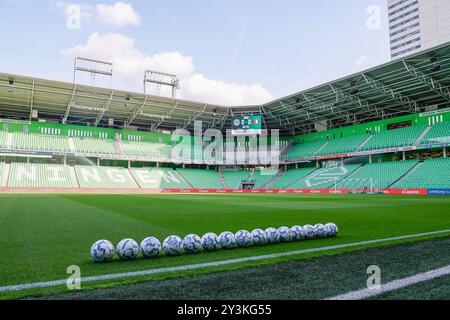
[[192, 243], [297, 233], [272, 235], [285, 234], [227, 240], [210, 242], [259, 237], [332, 229], [173, 246], [310, 232], [127, 249], [102, 251], [150, 247], [320, 230], [243, 238]]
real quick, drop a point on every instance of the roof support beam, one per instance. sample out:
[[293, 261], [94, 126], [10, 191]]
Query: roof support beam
[[70, 104], [166, 115], [392, 94], [32, 100], [433, 84], [135, 112], [194, 117], [105, 108]]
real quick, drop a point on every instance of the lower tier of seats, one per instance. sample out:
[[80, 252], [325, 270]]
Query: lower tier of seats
[[412, 174]]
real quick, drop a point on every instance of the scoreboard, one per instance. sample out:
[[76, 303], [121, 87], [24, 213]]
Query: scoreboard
[[247, 125]]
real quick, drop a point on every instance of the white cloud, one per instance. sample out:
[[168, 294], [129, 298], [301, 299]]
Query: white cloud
[[118, 15], [362, 61], [130, 63], [199, 88]]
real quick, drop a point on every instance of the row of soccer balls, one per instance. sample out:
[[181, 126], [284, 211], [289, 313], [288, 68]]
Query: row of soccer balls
[[128, 249]]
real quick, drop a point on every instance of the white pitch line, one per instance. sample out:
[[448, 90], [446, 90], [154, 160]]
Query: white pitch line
[[62, 282], [394, 285]]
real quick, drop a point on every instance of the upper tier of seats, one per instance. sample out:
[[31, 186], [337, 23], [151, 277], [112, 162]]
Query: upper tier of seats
[[39, 142], [439, 133], [394, 138], [433, 173], [377, 175], [94, 146], [143, 149], [304, 150], [343, 145]]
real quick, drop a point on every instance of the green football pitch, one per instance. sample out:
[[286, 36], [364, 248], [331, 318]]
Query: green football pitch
[[42, 235]]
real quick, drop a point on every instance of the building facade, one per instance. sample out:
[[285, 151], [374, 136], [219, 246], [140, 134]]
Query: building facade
[[416, 25]]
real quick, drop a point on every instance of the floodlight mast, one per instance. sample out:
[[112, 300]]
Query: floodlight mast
[[161, 79], [96, 67]]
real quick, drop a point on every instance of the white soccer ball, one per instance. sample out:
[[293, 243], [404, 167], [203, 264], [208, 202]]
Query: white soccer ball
[[320, 231], [310, 233], [285, 234], [272, 235], [192, 243], [297, 233], [210, 242], [227, 240], [127, 249], [173, 246], [150, 247], [332, 229], [259, 237], [102, 251], [243, 238]]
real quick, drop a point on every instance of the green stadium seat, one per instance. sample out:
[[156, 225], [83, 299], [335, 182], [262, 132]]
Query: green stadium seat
[[343, 145], [439, 133], [95, 146], [234, 178], [325, 178], [291, 176], [39, 142], [431, 174], [201, 179], [377, 175], [394, 138], [144, 149], [46, 176], [304, 150], [95, 177], [159, 178], [261, 178]]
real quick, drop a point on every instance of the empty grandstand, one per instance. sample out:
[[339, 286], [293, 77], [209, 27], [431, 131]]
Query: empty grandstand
[[385, 128]]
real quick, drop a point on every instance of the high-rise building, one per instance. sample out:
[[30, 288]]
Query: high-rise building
[[416, 25]]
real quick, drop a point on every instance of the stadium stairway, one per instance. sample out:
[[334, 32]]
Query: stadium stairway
[[222, 180], [73, 177], [407, 174], [365, 142], [4, 174], [275, 179], [420, 139]]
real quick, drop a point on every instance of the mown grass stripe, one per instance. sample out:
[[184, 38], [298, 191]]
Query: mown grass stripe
[[62, 282]]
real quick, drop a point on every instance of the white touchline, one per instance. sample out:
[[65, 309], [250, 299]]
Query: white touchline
[[394, 285], [210, 264]]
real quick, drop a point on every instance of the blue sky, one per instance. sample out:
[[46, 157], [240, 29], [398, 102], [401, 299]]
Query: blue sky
[[227, 52]]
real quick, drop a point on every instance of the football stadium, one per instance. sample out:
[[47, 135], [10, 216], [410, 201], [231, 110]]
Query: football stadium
[[111, 194]]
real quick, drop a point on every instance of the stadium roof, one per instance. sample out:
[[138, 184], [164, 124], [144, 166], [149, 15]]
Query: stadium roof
[[400, 87]]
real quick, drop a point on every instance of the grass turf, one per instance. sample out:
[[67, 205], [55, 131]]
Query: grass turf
[[319, 278], [41, 235]]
